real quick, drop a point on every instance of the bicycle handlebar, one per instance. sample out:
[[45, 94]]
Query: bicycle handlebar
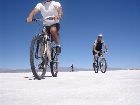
[[41, 20], [103, 52], [49, 18]]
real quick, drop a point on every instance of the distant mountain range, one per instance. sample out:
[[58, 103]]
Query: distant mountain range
[[14, 70], [61, 69]]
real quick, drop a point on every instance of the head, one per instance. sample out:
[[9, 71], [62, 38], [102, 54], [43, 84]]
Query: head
[[100, 37]]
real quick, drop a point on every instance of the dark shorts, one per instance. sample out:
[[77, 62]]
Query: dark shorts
[[57, 25], [99, 54]]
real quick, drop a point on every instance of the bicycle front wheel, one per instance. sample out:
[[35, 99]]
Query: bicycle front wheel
[[37, 61], [103, 65]]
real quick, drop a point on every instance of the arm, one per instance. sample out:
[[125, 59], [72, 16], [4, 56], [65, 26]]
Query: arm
[[59, 11], [31, 15], [94, 48], [106, 47]]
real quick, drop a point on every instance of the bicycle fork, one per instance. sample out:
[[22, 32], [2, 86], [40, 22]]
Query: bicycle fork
[[47, 48]]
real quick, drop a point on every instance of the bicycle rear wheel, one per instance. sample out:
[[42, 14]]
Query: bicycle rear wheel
[[103, 65], [95, 67], [54, 63], [37, 61]]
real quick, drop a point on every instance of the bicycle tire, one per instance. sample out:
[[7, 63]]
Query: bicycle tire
[[96, 68], [32, 59], [105, 66], [53, 65]]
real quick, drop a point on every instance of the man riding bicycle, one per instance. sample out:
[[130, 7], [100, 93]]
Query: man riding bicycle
[[49, 8], [97, 47]]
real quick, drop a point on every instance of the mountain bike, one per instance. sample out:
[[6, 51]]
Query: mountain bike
[[101, 63], [43, 53]]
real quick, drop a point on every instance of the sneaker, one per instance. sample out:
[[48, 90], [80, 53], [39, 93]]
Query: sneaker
[[94, 64], [55, 75], [58, 49]]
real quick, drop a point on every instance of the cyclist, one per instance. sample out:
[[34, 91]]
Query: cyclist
[[49, 8], [72, 68], [97, 47]]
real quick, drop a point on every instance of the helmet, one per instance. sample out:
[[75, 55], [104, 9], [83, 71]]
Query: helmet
[[100, 35]]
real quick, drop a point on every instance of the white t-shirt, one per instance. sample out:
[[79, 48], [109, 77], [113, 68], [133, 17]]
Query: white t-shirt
[[48, 9]]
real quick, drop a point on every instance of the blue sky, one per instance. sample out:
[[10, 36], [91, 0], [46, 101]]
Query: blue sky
[[117, 20]]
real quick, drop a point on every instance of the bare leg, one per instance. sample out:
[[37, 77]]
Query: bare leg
[[95, 58], [55, 34]]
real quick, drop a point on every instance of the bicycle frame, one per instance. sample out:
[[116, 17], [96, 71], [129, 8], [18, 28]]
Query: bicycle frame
[[49, 49], [47, 38], [47, 44]]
